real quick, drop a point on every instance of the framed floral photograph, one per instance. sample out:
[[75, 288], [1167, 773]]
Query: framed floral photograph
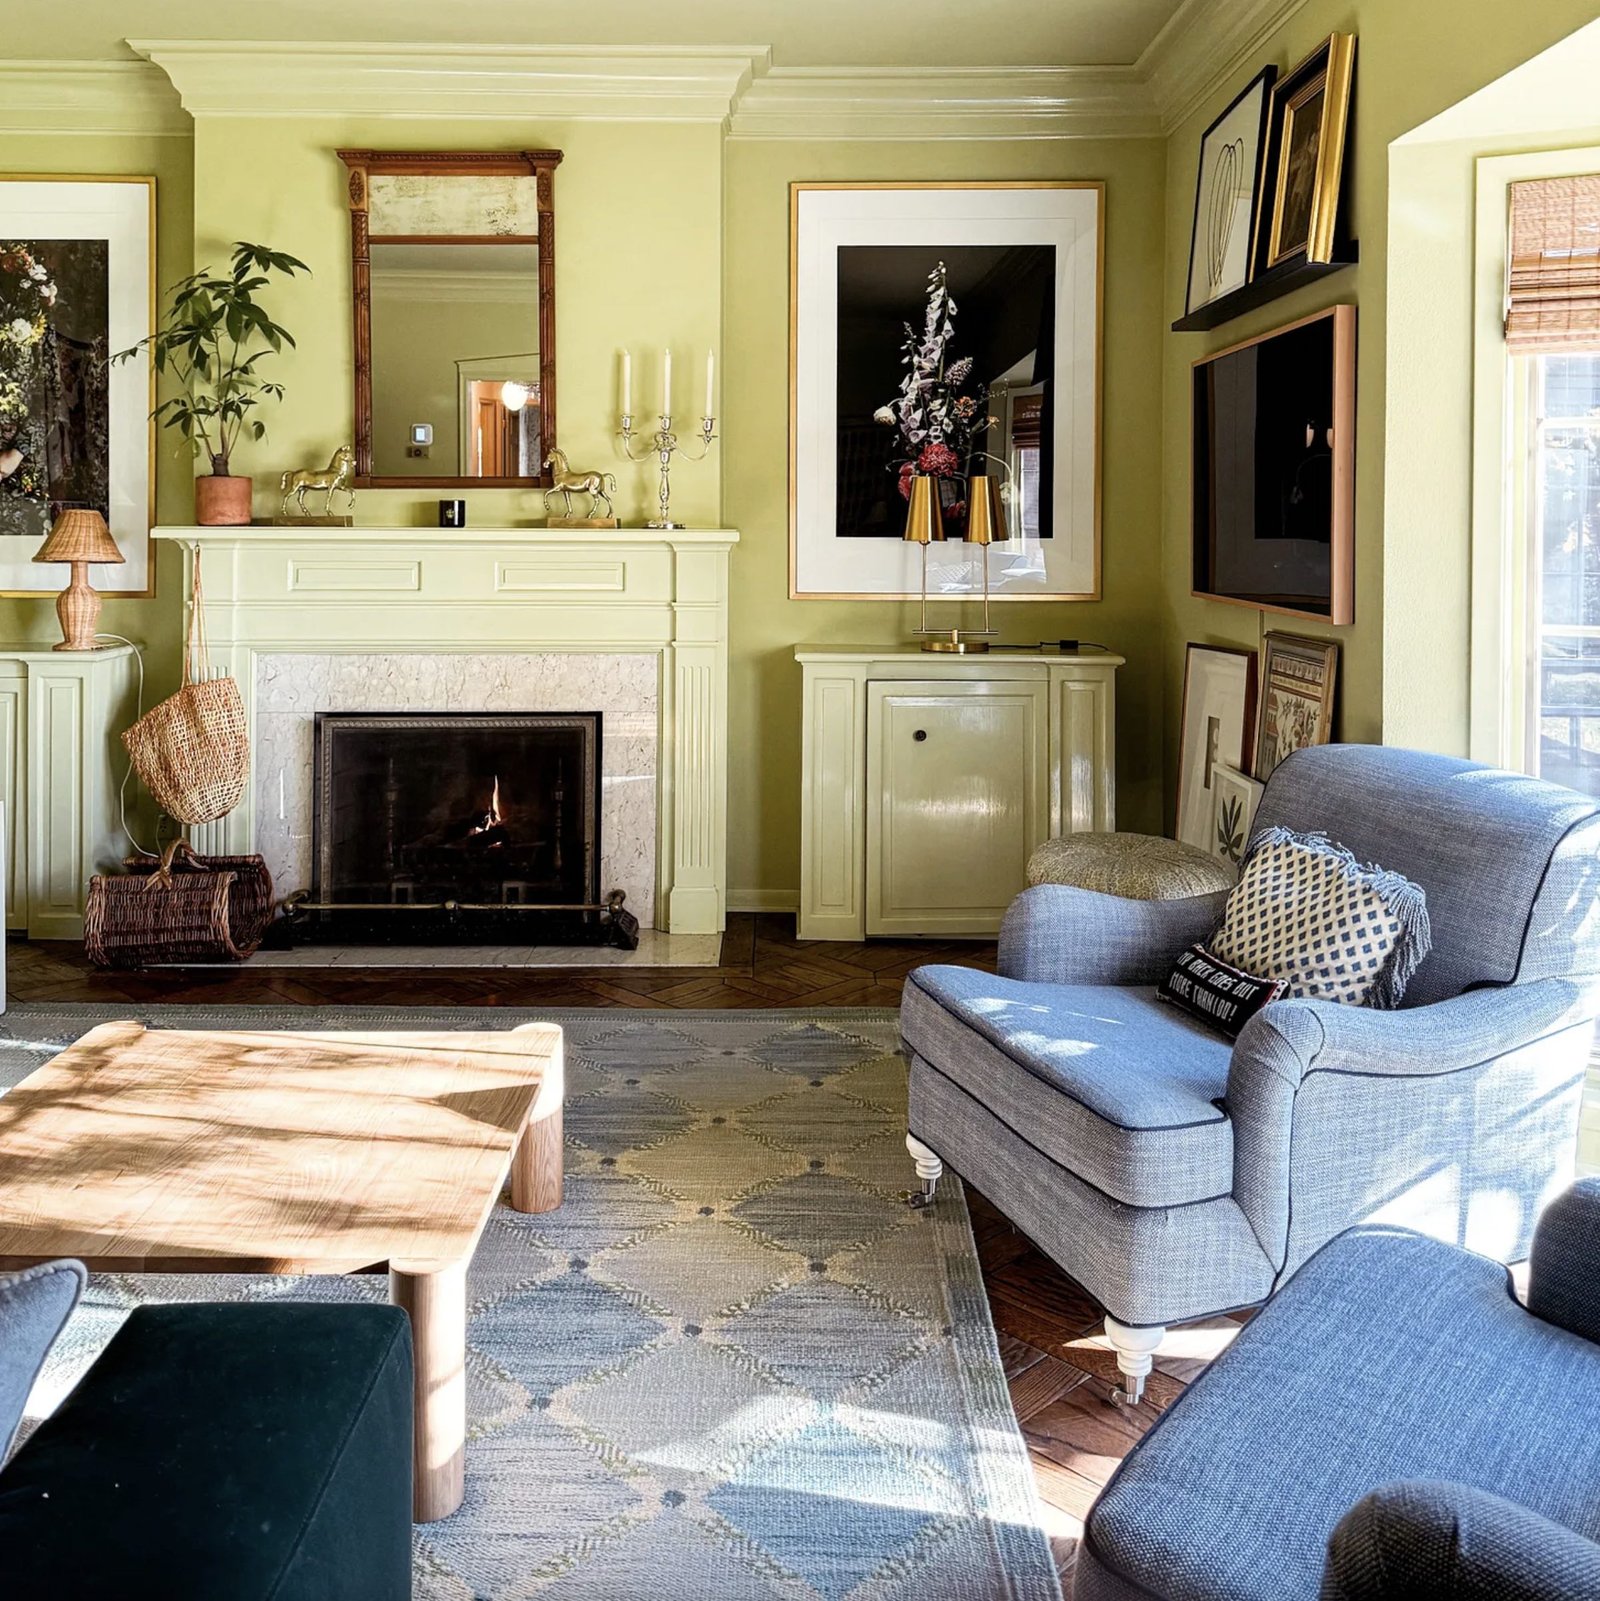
[[77, 284], [1305, 163], [1234, 798], [949, 330], [1227, 191], [1298, 680], [1219, 702]]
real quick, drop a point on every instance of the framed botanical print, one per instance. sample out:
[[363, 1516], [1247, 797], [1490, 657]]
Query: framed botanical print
[[1227, 190], [1219, 694], [1234, 799], [1310, 113], [946, 330], [1298, 680], [77, 284]]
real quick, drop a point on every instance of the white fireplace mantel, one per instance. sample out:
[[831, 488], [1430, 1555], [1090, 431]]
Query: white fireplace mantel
[[271, 592]]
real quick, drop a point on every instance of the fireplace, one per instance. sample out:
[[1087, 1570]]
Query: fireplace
[[433, 828]]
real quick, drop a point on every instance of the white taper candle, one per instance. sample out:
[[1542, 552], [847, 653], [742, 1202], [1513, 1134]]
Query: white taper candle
[[627, 383], [711, 367], [666, 383]]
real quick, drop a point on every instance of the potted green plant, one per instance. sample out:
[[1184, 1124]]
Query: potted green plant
[[213, 336]]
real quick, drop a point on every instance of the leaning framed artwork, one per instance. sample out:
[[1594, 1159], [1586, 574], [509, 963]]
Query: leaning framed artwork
[[1227, 191], [1298, 680], [77, 284], [949, 330], [1219, 694]]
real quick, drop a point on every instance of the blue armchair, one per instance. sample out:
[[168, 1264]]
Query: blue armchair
[[1174, 1175], [1428, 1438]]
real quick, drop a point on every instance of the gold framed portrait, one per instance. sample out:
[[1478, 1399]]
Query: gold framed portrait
[[1305, 166]]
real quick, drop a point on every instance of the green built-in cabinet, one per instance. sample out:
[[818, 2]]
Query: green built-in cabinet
[[929, 779]]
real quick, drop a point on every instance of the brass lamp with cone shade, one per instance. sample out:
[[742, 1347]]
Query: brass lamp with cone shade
[[79, 537], [925, 526]]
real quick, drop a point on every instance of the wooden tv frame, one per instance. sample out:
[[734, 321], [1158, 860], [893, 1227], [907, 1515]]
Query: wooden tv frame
[[1341, 533]]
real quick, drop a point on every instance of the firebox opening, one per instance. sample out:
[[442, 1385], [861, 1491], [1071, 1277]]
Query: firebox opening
[[442, 828]]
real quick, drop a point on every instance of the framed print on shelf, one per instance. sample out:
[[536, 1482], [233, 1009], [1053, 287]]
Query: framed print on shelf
[[1234, 798], [944, 329], [1219, 694], [77, 284], [1305, 162], [1298, 680], [1227, 194]]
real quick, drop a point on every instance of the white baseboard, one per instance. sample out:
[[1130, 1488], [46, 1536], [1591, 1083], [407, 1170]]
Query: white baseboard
[[763, 900]]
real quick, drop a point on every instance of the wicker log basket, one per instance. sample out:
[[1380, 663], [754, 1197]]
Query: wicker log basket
[[184, 908]]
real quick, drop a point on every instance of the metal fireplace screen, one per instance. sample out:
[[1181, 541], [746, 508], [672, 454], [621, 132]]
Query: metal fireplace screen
[[475, 810]]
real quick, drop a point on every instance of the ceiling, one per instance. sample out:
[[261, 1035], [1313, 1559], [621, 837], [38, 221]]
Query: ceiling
[[801, 33]]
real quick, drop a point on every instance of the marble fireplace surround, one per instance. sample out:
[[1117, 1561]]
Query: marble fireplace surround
[[292, 686], [632, 623]]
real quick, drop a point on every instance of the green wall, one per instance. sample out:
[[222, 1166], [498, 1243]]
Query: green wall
[[170, 159], [671, 233], [764, 799], [1413, 60]]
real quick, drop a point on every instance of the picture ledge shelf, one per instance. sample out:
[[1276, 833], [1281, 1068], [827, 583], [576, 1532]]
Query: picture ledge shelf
[[1269, 286]]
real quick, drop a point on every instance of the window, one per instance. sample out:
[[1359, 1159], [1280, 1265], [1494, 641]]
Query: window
[[1563, 500]]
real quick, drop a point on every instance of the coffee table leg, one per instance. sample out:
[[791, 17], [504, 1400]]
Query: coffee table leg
[[537, 1163], [437, 1306]]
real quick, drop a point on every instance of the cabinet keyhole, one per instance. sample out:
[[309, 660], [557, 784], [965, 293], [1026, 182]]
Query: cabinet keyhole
[[920, 735]]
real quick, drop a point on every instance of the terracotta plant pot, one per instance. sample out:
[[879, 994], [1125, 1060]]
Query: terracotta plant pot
[[221, 502]]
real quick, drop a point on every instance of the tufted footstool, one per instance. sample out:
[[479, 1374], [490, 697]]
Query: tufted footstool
[[1138, 867]]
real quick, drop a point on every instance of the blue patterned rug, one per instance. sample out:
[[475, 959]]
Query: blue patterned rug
[[734, 1366]]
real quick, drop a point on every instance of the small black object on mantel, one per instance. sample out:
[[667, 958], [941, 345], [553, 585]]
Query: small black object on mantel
[[452, 514], [1265, 287]]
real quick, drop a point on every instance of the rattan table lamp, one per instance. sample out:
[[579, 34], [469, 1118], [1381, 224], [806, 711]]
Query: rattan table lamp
[[79, 537]]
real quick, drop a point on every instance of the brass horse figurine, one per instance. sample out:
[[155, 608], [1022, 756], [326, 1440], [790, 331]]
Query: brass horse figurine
[[599, 487], [333, 478]]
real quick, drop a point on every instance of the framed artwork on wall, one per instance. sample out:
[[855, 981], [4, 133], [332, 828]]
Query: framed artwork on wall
[[77, 283], [1298, 680], [1219, 695], [1305, 161], [948, 330], [1234, 798], [1227, 194]]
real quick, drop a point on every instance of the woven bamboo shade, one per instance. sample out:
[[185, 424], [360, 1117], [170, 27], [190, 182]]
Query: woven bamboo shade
[[1553, 300], [79, 535]]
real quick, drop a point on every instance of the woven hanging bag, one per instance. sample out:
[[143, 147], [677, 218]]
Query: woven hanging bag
[[193, 750]]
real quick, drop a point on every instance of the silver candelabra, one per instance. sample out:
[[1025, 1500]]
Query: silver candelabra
[[663, 444]]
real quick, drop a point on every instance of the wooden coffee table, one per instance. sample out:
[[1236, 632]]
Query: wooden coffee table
[[168, 1151]]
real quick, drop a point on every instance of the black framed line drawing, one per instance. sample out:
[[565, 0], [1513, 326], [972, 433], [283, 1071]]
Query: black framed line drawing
[[1227, 194]]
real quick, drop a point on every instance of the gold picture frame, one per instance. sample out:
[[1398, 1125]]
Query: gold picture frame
[[1091, 300], [1305, 164], [146, 551]]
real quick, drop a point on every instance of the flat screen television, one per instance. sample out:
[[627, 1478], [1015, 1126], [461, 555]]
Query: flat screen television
[[1274, 470]]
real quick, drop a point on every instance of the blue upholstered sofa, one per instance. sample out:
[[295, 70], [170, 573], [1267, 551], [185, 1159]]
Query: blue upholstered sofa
[[1175, 1174], [1394, 1426]]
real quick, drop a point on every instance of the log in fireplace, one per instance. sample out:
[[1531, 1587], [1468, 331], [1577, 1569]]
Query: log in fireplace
[[433, 828]]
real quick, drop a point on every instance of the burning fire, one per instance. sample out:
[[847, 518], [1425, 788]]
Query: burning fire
[[492, 817]]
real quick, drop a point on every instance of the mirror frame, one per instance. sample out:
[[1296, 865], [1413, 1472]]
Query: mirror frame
[[541, 164]]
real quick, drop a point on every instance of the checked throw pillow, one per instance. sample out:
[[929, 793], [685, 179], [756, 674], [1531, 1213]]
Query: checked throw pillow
[[1305, 911]]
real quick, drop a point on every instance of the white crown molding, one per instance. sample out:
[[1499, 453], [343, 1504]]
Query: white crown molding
[[917, 103], [67, 97], [271, 79], [1204, 43]]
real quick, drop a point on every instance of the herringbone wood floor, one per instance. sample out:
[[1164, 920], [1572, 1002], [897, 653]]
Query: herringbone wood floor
[[1060, 1368]]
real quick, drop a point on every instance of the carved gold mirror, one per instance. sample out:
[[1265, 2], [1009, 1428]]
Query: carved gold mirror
[[453, 281]]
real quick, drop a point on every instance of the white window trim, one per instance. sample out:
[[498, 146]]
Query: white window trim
[[1503, 643]]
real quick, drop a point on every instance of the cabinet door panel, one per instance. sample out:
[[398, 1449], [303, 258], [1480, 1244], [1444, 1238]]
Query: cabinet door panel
[[959, 796]]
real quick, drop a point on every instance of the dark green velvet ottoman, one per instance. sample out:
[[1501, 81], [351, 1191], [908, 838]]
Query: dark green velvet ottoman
[[223, 1453]]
